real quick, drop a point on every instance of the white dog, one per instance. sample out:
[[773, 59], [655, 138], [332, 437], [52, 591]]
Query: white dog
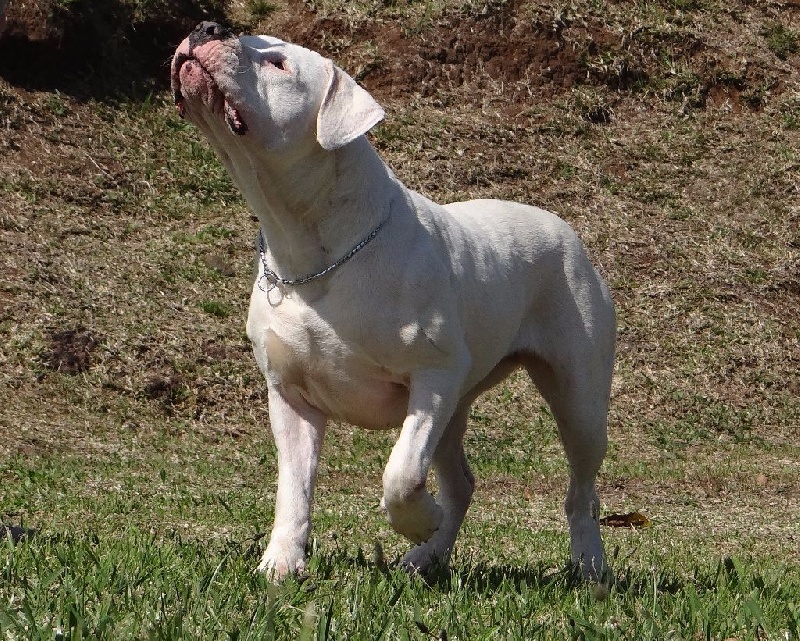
[[375, 306]]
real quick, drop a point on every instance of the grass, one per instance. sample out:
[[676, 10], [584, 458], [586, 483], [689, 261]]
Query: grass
[[169, 577], [782, 41], [133, 422], [260, 9], [185, 590]]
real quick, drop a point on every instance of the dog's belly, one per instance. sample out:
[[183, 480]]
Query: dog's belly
[[339, 384]]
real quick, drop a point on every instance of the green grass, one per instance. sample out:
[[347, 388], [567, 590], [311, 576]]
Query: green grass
[[782, 41], [100, 576], [216, 308], [138, 587], [260, 9]]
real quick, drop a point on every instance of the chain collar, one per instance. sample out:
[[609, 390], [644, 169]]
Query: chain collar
[[273, 280]]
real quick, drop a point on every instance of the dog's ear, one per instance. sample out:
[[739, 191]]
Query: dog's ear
[[347, 111]]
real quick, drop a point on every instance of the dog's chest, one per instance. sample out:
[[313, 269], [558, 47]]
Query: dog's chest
[[308, 360]]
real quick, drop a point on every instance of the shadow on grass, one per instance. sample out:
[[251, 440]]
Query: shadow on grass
[[478, 577], [16, 532], [97, 50], [483, 577], [486, 577]]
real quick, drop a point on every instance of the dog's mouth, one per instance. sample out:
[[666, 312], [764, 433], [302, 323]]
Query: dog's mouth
[[192, 81]]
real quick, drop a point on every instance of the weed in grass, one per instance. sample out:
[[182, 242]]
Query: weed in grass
[[782, 41], [215, 232], [687, 5], [216, 308], [56, 105], [261, 9], [790, 122]]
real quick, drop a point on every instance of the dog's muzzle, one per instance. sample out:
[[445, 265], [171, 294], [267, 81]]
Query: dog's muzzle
[[203, 34]]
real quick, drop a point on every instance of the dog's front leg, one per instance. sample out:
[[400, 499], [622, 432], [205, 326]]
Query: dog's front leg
[[433, 398], [298, 430]]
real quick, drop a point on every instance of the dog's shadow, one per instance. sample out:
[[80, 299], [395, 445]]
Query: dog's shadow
[[476, 577], [485, 577]]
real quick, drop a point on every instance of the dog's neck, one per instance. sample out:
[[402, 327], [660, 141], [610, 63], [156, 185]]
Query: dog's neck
[[309, 217]]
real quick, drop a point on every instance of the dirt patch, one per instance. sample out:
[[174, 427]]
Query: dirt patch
[[169, 388], [70, 351], [449, 53], [453, 55]]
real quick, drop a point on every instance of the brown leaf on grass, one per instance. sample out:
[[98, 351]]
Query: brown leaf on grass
[[631, 520]]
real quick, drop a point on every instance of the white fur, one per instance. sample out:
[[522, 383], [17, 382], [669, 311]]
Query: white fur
[[441, 305]]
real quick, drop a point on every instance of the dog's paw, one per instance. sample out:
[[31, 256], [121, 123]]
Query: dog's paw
[[416, 518], [276, 565]]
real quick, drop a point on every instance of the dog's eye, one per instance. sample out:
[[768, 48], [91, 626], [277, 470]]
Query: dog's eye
[[278, 63]]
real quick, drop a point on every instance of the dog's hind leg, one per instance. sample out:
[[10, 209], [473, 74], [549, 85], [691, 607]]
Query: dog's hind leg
[[456, 484], [579, 402]]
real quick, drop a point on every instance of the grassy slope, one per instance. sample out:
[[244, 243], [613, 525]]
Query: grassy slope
[[146, 462]]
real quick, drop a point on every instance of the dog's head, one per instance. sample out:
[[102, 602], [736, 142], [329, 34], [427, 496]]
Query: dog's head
[[267, 92]]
